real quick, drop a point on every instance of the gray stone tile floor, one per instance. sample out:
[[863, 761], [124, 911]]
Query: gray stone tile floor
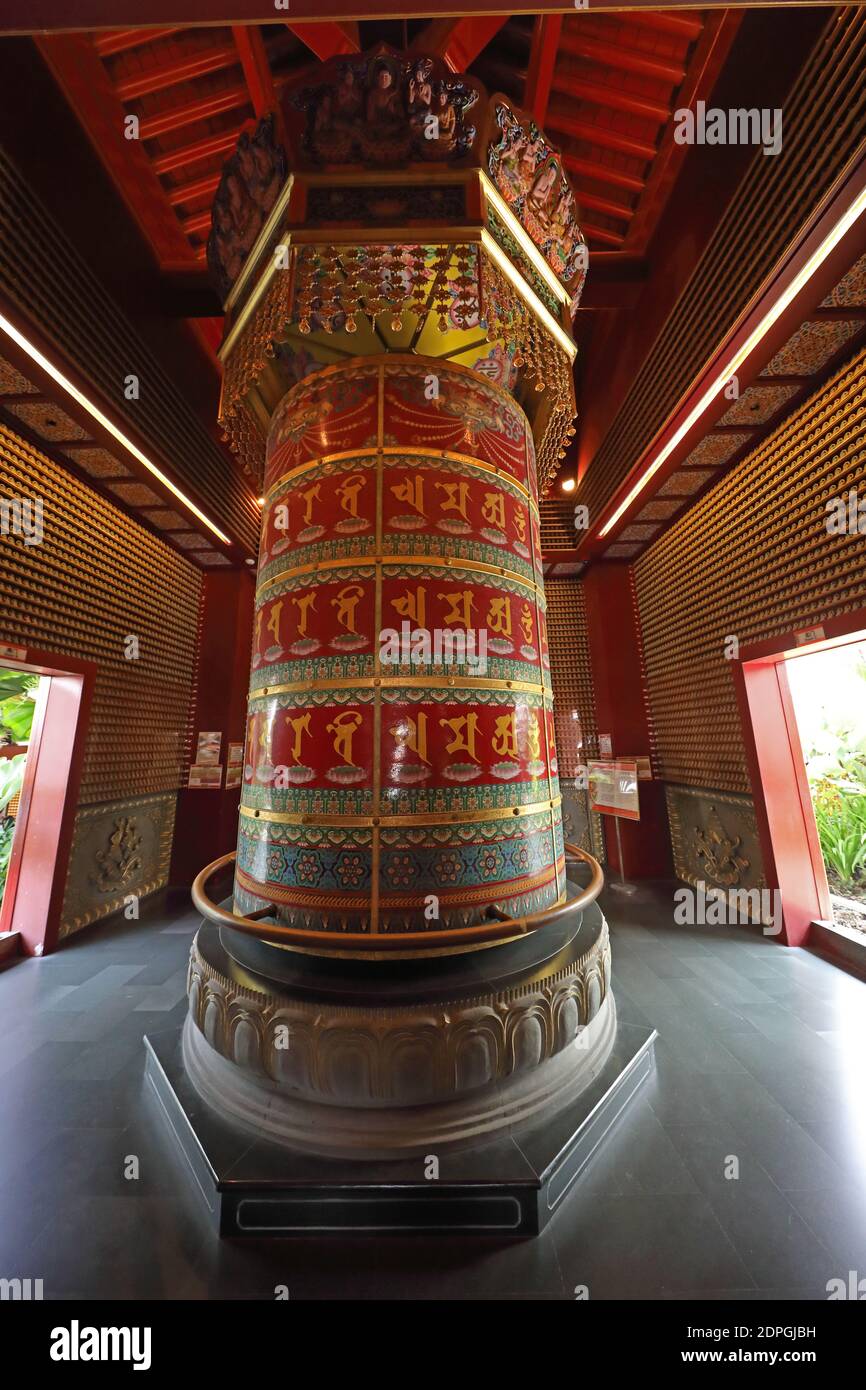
[[761, 1065]]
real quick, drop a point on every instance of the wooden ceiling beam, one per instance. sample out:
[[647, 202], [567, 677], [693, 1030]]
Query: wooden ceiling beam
[[594, 233], [838, 312], [199, 188], [602, 173], [198, 223], [329, 40], [142, 84], [179, 116], [191, 154], [497, 73], [708, 59], [42, 15], [614, 55], [605, 205], [83, 79], [542, 61], [666, 23], [593, 134], [124, 39], [599, 94], [250, 47], [458, 41]]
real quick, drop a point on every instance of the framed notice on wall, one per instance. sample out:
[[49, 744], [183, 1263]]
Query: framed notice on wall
[[206, 775], [613, 787], [644, 767], [208, 747]]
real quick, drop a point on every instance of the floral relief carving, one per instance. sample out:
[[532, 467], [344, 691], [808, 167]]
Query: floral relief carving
[[121, 860]]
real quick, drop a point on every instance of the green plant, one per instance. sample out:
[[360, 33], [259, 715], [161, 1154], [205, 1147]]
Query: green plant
[[836, 768], [11, 778], [7, 830], [17, 695], [841, 820]]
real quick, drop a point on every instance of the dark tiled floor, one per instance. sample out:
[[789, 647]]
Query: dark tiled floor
[[761, 1063]]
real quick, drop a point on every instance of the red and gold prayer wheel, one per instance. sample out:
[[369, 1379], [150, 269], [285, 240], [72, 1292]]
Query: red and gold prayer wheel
[[398, 388], [397, 379], [400, 771]]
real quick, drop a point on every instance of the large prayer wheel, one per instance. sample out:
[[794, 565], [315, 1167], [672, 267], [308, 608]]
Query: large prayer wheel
[[398, 387], [401, 771]]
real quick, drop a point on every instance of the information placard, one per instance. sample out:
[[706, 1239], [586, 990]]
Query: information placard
[[208, 748], [613, 787], [206, 776]]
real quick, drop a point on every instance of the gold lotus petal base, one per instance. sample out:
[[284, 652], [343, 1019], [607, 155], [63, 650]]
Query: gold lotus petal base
[[307, 1061], [305, 1108]]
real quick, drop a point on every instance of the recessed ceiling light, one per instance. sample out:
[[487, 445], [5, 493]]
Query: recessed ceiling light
[[567, 485]]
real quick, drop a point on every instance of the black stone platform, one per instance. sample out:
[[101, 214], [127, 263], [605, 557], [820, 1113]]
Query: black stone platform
[[509, 1187]]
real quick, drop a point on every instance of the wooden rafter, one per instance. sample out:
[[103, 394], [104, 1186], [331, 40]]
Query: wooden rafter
[[603, 173], [82, 77], [124, 39], [542, 61], [458, 41], [684, 26], [158, 78], [623, 211], [33, 16], [614, 55], [251, 50], [178, 116], [187, 192], [604, 234], [598, 94], [706, 63], [329, 40], [559, 119], [191, 154]]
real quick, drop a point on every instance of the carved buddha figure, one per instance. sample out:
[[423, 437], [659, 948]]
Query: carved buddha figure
[[542, 197], [384, 109]]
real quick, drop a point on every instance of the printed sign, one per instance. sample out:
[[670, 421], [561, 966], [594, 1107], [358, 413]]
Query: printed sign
[[613, 787], [208, 749], [206, 775], [644, 769], [809, 634]]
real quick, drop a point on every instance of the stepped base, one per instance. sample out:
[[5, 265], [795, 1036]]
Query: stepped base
[[256, 1188]]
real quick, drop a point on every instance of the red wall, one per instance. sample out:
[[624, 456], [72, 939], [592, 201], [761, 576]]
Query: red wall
[[207, 820], [621, 711]]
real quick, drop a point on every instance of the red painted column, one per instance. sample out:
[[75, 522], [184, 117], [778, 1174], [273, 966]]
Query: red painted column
[[622, 712]]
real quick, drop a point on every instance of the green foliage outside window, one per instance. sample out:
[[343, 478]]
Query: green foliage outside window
[[17, 696], [836, 767]]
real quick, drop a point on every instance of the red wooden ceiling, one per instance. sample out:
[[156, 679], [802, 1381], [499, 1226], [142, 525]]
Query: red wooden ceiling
[[603, 85], [192, 90]]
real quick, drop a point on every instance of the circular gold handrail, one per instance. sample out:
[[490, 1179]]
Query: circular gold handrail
[[504, 928], [551, 914]]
